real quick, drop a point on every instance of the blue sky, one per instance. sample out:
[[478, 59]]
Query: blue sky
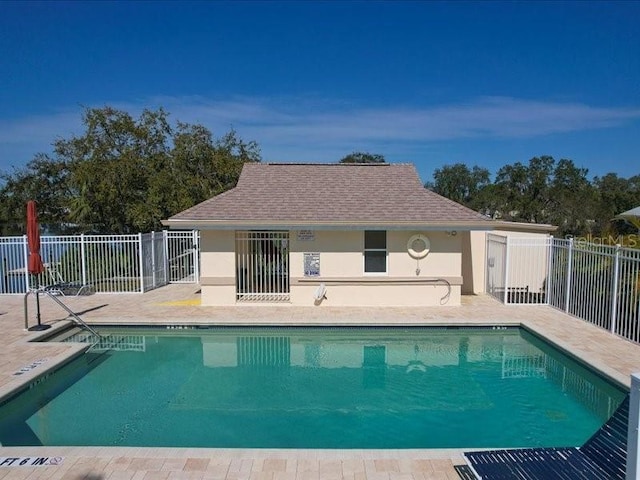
[[484, 83]]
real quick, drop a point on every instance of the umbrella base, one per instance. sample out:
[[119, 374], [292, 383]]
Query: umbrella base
[[38, 327]]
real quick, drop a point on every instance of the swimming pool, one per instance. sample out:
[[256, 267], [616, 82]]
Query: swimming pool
[[314, 388]]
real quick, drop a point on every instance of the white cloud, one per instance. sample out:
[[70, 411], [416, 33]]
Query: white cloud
[[307, 129]]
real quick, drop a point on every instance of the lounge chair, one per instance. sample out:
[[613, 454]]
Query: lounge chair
[[59, 286], [602, 457], [70, 288]]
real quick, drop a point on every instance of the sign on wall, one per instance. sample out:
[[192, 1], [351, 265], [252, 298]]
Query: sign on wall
[[306, 235], [311, 264]]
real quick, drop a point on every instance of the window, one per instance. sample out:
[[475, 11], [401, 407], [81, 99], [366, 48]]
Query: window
[[375, 251]]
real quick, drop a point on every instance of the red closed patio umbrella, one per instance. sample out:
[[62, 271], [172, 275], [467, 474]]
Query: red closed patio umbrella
[[33, 239], [35, 266]]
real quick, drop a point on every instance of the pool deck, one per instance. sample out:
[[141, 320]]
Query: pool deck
[[173, 305]]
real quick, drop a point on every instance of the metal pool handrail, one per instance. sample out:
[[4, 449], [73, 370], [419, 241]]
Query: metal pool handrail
[[71, 313]]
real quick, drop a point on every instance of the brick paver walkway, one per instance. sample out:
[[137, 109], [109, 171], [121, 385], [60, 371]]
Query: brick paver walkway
[[173, 304]]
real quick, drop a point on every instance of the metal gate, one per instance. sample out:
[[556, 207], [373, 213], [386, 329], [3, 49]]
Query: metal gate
[[496, 266], [183, 256], [262, 266], [517, 268]]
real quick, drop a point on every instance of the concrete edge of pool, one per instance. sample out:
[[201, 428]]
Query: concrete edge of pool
[[42, 368], [610, 374], [602, 351]]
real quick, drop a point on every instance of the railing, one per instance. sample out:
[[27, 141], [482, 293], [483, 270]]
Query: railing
[[72, 314], [109, 263], [598, 283]]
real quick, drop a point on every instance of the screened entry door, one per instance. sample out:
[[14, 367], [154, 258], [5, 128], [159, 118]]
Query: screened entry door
[[262, 266]]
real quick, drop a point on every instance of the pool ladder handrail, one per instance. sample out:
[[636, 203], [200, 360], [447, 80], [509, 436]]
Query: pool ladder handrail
[[75, 317]]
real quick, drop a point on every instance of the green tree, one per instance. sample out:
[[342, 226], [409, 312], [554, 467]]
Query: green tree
[[488, 201], [44, 180], [572, 198], [362, 157], [124, 174], [111, 165], [543, 191], [460, 184], [525, 190], [614, 195], [198, 168]]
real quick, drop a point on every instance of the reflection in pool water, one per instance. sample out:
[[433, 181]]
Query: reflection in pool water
[[314, 388]]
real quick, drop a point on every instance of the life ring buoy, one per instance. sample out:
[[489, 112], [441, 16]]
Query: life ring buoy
[[418, 246]]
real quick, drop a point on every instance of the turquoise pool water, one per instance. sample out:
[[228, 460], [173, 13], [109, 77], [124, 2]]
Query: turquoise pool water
[[314, 388]]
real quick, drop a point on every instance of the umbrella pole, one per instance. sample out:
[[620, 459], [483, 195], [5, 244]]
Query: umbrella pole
[[38, 307], [39, 326]]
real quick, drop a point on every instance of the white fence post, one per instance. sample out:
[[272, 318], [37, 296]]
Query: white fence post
[[633, 452], [506, 271], [614, 294], [548, 285], [196, 256], [165, 257], [614, 302], [83, 259], [141, 262], [569, 270], [153, 259]]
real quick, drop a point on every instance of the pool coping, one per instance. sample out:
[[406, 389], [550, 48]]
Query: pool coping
[[607, 354], [76, 349]]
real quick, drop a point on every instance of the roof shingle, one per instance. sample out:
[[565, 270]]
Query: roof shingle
[[326, 195]]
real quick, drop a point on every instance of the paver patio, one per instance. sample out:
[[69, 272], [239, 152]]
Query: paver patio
[[174, 304]]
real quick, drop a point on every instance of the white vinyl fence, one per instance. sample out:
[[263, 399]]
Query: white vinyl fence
[[598, 283], [103, 263]]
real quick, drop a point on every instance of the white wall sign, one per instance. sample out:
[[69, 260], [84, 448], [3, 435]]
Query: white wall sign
[[311, 264]]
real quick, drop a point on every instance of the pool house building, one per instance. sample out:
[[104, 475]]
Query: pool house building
[[338, 235]]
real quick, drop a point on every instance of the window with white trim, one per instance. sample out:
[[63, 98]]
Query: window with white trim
[[375, 251]]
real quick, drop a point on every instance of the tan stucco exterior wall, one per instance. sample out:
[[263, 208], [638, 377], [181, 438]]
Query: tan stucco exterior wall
[[474, 253], [341, 254], [217, 267], [408, 282]]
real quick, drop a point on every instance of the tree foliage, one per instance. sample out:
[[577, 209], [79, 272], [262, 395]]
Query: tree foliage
[[525, 189], [43, 180], [459, 183], [123, 174], [126, 174], [362, 157], [572, 199], [542, 190]]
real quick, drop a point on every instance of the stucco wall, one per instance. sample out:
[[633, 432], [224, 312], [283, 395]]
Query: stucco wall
[[474, 252], [408, 282], [217, 267], [341, 254]]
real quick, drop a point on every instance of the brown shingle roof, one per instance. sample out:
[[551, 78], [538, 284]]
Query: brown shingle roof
[[317, 195]]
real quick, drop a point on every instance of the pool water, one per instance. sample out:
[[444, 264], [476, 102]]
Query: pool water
[[314, 388]]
